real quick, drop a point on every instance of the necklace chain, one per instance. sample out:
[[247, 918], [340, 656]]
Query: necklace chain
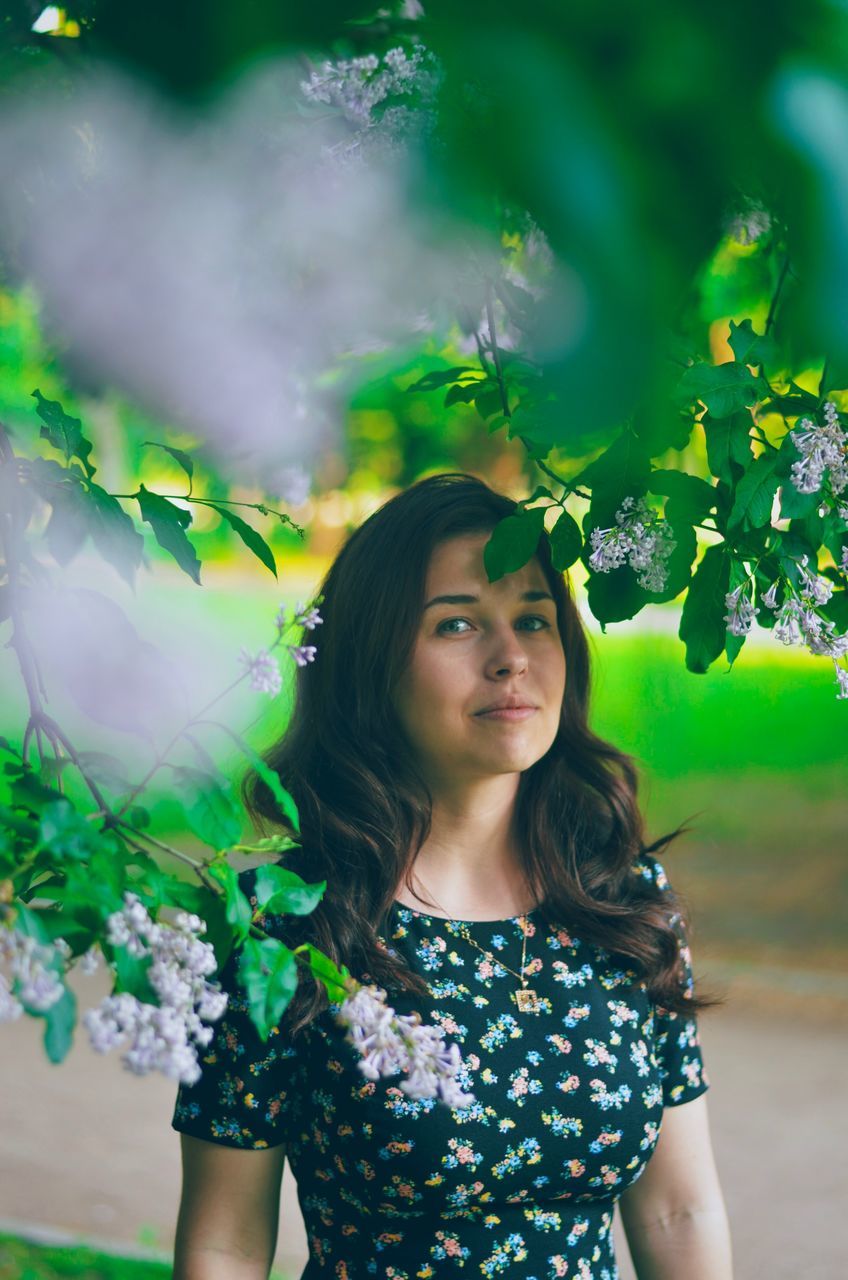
[[526, 999]]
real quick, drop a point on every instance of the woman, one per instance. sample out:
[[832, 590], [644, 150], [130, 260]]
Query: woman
[[485, 864]]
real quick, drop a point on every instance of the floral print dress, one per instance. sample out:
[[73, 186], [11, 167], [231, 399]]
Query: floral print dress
[[523, 1182]]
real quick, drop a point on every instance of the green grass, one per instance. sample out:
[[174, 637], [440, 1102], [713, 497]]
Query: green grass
[[24, 1260]]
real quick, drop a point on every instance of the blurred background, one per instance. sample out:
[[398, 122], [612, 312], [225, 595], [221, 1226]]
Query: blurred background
[[198, 250]]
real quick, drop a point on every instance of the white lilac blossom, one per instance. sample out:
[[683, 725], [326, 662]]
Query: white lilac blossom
[[641, 538], [822, 448], [798, 620], [750, 222], [89, 962], [770, 596], [390, 1042], [741, 611], [263, 670], [161, 1037], [357, 85], [305, 615], [10, 1008], [303, 654], [34, 967]]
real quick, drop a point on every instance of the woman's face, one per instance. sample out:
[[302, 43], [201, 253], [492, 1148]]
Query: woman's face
[[483, 691]]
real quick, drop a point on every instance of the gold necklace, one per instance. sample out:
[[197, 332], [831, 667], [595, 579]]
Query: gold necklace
[[526, 999]]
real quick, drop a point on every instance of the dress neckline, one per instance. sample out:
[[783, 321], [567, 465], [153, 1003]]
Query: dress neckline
[[426, 915]]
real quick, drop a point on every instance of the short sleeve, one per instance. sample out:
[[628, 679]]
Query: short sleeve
[[678, 1047], [248, 1091]]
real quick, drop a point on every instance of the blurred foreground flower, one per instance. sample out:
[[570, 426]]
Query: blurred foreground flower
[[391, 1042], [164, 1037], [263, 670], [35, 971], [160, 1037]]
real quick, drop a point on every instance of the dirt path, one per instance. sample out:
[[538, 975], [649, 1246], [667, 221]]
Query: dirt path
[[87, 1147]]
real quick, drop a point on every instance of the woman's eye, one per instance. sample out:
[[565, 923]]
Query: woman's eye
[[456, 626]]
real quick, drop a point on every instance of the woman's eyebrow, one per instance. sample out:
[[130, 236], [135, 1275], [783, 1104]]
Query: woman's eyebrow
[[529, 597]]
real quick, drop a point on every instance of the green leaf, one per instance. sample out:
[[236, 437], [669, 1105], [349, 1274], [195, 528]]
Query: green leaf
[[251, 539], [168, 522], [105, 769], [615, 596], [64, 833], [728, 444], [679, 563], [60, 1021], [327, 972], [749, 347], [690, 497], [488, 402], [63, 431], [68, 526], [179, 455], [733, 647], [30, 924], [723, 388], [238, 910], [463, 393], [702, 625], [271, 779], [131, 975], [268, 972], [210, 810], [621, 471], [755, 492], [513, 542], [441, 377], [733, 644], [566, 542], [837, 610], [281, 891], [113, 532], [795, 505]]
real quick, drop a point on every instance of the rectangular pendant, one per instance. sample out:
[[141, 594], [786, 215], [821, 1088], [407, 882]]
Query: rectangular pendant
[[527, 1000]]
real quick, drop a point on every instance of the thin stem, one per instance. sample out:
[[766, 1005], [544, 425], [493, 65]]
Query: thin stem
[[224, 502], [499, 374], [772, 311], [199, 867]]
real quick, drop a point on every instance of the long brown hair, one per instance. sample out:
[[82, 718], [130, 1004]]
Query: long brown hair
[[365, 810]]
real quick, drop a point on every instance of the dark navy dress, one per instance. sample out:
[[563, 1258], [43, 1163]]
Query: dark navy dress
[[522, 1183]]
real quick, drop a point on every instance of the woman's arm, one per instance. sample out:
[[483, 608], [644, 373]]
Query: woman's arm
[[229, 1211], [674, 1214]]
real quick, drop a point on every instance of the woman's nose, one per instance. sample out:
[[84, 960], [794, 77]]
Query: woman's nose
[[507, 657]]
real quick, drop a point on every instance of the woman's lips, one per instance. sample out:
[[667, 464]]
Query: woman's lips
[[507, 713]]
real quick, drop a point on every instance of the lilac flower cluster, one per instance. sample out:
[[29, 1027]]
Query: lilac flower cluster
[[357, 85], [160, 1036], [822, 448], [641, 538], [35, 973], [263, 669], [390, 1042], [741, 611], [799, 620]]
